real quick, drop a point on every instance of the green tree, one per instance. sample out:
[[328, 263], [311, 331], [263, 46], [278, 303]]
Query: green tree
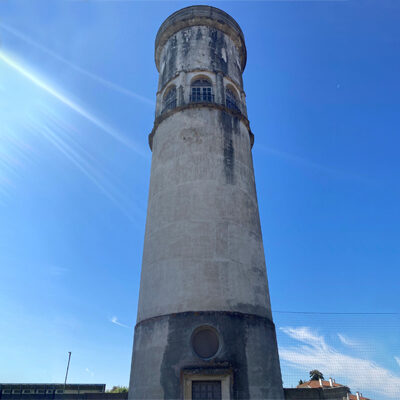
[[315, 375], [118, 389]]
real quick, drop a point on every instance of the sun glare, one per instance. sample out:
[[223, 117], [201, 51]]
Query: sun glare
[[27, 113], [39, 82]]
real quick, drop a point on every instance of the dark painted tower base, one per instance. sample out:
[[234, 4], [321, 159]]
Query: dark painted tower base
[[245, 361]]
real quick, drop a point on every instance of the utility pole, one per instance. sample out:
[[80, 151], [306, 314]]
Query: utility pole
[[66, 374]]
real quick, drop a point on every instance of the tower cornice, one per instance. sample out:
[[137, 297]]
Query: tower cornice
[[200, 16], [220, 107]]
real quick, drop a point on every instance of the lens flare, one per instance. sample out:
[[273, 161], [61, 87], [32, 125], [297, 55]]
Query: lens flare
[[25, 113], [95, 77], [69, 103]]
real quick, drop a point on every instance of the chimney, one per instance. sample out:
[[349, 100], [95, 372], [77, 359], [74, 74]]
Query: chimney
[[358, 396], [320, 382], [331, 382]]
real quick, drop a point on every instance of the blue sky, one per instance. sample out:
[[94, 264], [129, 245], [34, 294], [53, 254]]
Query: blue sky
[[77, 91]]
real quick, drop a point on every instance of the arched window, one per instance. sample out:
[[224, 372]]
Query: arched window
[[231, 99], [201, 91], [170, 99]]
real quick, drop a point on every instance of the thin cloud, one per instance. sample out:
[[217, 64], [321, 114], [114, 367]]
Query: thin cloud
[[313, 165], [304, 334], [347, 341], [89, 371], [95, 77], [58, 271], [313, 352], [397, 360], [115, 321]]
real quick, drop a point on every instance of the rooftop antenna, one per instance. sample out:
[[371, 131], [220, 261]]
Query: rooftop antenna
[[66, 374]]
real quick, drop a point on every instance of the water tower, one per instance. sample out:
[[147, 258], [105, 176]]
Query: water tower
[[204, 326]]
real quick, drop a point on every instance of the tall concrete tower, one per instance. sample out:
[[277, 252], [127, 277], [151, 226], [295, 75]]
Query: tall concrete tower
[[204, 326]]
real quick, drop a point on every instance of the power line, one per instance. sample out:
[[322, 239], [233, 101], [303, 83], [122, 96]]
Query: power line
[[334, 313]]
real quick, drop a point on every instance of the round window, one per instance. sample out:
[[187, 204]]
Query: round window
[[205, 342]]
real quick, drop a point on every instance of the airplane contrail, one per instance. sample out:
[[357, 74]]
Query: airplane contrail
[[66, 101], [95, 77]]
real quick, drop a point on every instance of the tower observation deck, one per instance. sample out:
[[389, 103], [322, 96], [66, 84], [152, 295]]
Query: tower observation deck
[[204, 325]]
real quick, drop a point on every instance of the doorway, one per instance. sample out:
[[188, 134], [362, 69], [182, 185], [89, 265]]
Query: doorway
[[206, 390]]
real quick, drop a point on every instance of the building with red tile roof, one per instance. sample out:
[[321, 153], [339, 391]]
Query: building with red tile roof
[[329, 385]]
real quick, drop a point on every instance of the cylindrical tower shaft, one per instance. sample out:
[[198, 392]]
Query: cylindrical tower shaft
[[204, 317]]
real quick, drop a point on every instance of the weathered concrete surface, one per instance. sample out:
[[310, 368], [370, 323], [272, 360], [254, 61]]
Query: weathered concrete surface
[[248, 351], [197, 41], [203, 246], [199, 16], [203, 257], [199, 48]]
